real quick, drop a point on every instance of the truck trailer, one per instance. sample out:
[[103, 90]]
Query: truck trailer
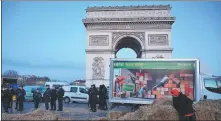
[[141, 81]]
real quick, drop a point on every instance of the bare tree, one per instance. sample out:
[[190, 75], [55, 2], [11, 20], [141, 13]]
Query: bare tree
[[47, 78], [10, 73]]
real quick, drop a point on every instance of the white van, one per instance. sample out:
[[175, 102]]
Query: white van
[[56, 84], [75, 94]]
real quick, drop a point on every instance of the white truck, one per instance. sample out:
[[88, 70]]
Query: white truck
[[141, 81]]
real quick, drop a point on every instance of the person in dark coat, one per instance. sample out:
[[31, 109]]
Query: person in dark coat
[[60, 98], [21, 97], [11, 93], [94, 93], [5, 97], [53, 98], [16, 101], [183, 105], [106, 97], [46, 96], [102, 97], [37, 98], [89, 96]]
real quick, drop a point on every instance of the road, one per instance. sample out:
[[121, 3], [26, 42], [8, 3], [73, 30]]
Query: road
[[75, 111]]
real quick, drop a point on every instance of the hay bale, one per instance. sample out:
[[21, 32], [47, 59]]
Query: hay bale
[[6, 116], [163, 110], [160, 110], [36, 115], [208, 110], [64, 119], [115, 114]]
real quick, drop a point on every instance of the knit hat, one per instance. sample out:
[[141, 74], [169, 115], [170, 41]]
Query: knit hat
[[175, 92]]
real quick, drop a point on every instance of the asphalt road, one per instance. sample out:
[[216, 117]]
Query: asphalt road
[[74, 111]]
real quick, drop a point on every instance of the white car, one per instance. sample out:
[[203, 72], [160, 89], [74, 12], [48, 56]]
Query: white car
[[75, 94]]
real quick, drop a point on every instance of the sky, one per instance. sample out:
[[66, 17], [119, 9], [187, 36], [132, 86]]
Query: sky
[[49, 38]]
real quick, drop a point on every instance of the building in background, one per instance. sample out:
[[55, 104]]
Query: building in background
[[79, 82]]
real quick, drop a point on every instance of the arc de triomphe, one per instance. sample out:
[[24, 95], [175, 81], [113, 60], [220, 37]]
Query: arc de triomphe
[[145, 29]]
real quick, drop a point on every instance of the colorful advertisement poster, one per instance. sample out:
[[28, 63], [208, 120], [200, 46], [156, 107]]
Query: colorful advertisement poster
[[152, 79]]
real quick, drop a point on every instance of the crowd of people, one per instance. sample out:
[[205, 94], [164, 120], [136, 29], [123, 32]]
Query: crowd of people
[[92, 102], [50, 95], [7, 98], [181, 102]]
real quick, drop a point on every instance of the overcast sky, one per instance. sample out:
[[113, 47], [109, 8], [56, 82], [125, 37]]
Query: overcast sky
[[49, 38]]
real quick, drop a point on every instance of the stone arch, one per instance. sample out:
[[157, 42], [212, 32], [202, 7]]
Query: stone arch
[[148, 26], [129, 41]]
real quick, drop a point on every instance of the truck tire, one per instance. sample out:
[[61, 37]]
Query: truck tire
[[67, 100]]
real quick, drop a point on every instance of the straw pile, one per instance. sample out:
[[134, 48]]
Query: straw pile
[[38, 114], [208, 110], [163, 110], [160, 110]]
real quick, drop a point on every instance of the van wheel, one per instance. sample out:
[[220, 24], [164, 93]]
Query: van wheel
[[67, 100]]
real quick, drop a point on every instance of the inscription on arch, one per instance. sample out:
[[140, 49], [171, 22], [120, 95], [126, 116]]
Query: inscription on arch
[[158, 39], [98, 40]]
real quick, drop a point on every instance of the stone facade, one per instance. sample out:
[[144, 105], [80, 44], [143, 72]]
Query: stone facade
[[146, 29]]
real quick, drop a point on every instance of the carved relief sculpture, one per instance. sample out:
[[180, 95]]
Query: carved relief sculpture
[[98, 68], [116, 35], [158, 39], [98, 40]]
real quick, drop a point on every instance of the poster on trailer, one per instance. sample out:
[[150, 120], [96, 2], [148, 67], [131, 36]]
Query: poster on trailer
[[152, 79]]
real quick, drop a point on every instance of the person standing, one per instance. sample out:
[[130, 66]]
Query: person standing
[[53, 98], [47, 96], [16, 101], [37, 98], [94, 93], [11, 93], [106, 97], [21, 97], [183, 105], [5, 98], [60, 98], [102, 97], [89, 96]]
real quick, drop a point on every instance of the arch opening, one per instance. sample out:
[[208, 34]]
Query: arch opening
[[129, 46]]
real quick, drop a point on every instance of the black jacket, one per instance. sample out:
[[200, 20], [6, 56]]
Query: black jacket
[[183, 104], [60, 93], [53, 94], [20, 94], [47, 95], [11, 93], [37, 96], [5, 96]]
